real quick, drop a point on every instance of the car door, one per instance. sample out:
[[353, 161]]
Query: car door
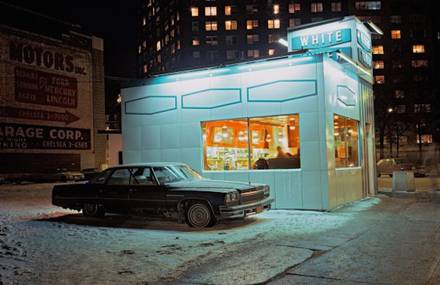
[[114, 193], [146, 196]]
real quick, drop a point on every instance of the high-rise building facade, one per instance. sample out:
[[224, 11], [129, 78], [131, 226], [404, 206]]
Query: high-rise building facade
[[176, 35]]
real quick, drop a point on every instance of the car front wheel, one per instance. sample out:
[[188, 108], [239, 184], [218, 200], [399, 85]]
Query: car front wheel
[[199, 215], [93, 210]]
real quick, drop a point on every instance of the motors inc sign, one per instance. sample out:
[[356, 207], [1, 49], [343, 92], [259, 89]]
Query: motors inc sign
[[21, 136], [321, 40]]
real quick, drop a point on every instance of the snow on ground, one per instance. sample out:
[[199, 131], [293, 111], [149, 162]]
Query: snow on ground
[[44, 244]]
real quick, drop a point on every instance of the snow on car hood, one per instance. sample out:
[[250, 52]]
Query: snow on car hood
[[215, 185]]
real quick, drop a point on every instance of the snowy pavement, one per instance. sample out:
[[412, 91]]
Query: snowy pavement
[[379, 240]]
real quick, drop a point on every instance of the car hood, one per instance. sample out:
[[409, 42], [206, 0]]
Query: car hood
[[213, 185]]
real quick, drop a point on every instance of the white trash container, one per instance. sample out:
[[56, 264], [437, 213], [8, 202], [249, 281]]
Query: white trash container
[[404, 181]]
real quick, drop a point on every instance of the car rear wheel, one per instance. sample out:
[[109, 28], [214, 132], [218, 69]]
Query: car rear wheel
[[199, 215], [93, 210]]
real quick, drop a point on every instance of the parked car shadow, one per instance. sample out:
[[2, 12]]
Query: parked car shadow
[[148, 223]]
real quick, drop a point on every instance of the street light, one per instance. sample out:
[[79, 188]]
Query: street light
[[283, 42]]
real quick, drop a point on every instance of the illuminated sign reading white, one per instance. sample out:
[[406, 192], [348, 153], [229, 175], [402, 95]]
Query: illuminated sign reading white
[[321, 40]]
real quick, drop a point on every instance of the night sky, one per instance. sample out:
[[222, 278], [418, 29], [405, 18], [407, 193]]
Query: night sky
[[114, 21]]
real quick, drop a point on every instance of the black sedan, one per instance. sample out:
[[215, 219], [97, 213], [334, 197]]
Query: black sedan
[[172, 190]]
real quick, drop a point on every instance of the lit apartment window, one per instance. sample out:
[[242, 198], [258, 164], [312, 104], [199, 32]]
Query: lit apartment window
[[378, 64], [211, 25], [251, 24], [418, 63], [195, 42], [139, 49], [396, 19], [367, 5], [252, 39], [228, 10], [158, 46], [273, 24], [399, 94], [211, 11], [294, 22], [230, 25], [426, 139], [418, 48], [271, 51], [253, 53], [316, 7], [294, 8], [395, 34], [276, 9], [144, 21], [378, 49], [194, 11], [145, 68], [379, 79], [144, 44], [336, 6]]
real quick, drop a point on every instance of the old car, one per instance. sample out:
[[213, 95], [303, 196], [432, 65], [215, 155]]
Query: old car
[[171, 190], [387, 166]]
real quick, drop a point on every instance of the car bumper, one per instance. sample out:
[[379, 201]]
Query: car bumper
[[241, 211]]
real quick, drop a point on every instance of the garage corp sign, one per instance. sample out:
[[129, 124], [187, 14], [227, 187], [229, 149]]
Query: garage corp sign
[[321, 40], [20, 136]]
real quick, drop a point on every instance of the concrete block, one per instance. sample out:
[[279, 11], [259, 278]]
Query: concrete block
[[404, 181]]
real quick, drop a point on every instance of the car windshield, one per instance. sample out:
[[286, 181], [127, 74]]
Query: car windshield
[[175, 173]]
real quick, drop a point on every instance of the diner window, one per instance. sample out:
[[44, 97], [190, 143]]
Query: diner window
[[294, 8], [254, 143], [346, 141], [396, 35], [194, 11], [418, 48], [211, 26], [211, 11], [230, 25]]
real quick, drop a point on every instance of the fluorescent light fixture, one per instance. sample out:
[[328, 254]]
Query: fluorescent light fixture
[[354, 64], [283, 42], [375, 28]]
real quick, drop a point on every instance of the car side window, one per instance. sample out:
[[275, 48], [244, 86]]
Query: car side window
[[102, 177], [120, 177], [142, 176]]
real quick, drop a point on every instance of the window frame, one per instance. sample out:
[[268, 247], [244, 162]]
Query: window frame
[[248, 119]]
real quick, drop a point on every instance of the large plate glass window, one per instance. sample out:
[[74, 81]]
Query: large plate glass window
[[346, 141], [251, 143], [225, 145], [274, 142]]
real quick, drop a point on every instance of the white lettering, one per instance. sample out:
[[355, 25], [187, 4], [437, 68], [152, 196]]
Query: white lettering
[[330, 36], [315, 39], [304, 40], [338, 36]]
